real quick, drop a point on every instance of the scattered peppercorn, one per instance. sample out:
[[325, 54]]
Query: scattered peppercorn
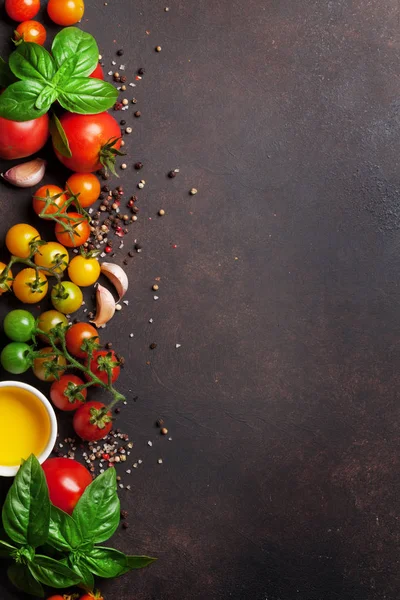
[[160, 422], [117, 410], [128, 130], [193, 191], [123, 88], [138, 247], [137, 113], [138, 165], [120, 52], [125, 525], [122, 122], [172, 174], [134, 101], [123, 79], [130, 253], [161, 212], [124, 166], [158, 48], [125, 102], [108, 346], [155, 287], [164, 431], [153, 346], [141, 71]]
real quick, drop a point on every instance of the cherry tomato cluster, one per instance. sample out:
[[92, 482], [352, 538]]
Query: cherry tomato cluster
[[61, 12], [79, 346], [88, 596]]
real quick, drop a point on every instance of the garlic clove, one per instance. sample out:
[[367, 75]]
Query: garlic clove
[[117, 276], [105, 306], [26, 174]]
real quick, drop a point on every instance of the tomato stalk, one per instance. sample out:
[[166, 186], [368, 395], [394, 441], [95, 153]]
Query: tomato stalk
[[49, 271], [68, 222]]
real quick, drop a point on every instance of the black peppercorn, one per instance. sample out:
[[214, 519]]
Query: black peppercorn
[[153, 346], [117, 410], [138, 165], [108, 346], [138, 247], [123, 79], [120, 52], [124, 514], [122, 122], [105, 188], [141, 71], [137, 113], [172, 174], [130, 253]]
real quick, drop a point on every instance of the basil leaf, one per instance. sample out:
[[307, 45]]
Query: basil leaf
[[87, 579], [21, 577], [26, 510], [17, 103], [60, 140], [98, 510], [7, 77], [66, 71], [72, 41], [6, 549], [52, 572], [63, 532], [46, 98], [138, 562], [105, 562], [31, 61], [84, 95]]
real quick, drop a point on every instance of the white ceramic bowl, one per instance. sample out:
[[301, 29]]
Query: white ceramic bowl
[[12, 471]]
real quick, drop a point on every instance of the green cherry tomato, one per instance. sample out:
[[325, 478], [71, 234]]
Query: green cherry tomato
[[19, 325], [15, 358], [48, 320], [66, 297]]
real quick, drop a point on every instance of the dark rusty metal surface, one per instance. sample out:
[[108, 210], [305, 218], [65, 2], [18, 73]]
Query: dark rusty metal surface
[[281, 481]]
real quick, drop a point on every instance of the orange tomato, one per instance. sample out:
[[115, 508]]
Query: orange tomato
[[31, 31], [39, 199], [86, 185], [80, 234], [65, 12]]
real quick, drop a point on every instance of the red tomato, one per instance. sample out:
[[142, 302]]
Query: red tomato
[[76, 335], [92, 421], [67, 480], [78, 237], [92, 596], [98, 72], [65, 12], [60, 390], [19, 139], [43, 192], [89, 138], [97, 365], [31, 31], [22, 10]]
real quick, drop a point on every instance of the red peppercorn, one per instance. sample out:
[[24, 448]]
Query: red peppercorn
[[106, 456], [130, 203], [107, 249]]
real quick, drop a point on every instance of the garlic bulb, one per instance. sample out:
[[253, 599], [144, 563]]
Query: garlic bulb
[[105, 306], [117, 276], [26, 174]]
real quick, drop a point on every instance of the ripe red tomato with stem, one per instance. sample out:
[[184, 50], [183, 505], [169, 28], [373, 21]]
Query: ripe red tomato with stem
[[94, 141], [30, 31], [22, 10], [76, 335], [80, 233], [104, 361], [98, 73], [67, 480], [92, 421], [19, 139], [64, 394]]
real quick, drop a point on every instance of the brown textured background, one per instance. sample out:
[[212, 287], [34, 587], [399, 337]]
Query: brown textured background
[[281, 481]]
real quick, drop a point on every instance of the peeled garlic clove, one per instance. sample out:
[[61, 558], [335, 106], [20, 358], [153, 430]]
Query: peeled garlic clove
[[105, 306], [26, 174], [117, 276]]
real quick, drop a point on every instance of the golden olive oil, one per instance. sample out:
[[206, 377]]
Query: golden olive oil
[[25, 426]]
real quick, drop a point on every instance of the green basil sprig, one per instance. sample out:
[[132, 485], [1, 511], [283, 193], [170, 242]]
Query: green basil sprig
[[62, 75], [69, 554]]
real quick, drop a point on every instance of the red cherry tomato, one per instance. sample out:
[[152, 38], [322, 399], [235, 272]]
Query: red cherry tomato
[[98, 362], [89, 137], [67, 480], [61, 393], [19, 139], [98, 73], [65, 12], [92, 421], [42, 193], [76, 335], [92, 596], [76, 238], [31, 31], [86, 185], [22, 10]]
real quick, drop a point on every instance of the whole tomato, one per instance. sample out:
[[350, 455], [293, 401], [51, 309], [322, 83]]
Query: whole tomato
[[19, 239], [22, 10], [76, 335], [64, 395], [102, 361], [30, 287], [67, 480], [40, 368], [19, 139], [92, 596], [31, 31], [66, 297], [98, 72], [92, 421], [86, 185], [41, 196], [79, 235], [65, 12], [94, 140]]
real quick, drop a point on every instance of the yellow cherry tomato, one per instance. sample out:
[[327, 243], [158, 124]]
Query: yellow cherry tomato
[[66, 297], [19, 238], [6, 285], [84, 271], [29, 287], [41, 369], [51, 254]]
